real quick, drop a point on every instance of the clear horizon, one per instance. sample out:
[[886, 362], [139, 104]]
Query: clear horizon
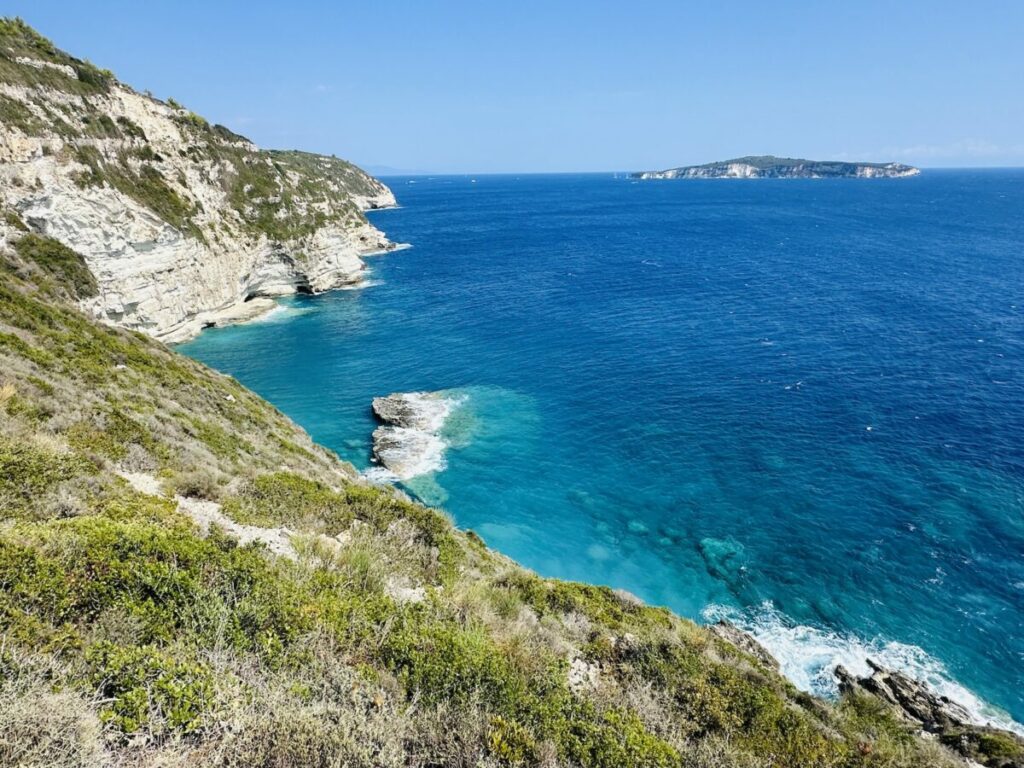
[[387, 172], [573, 88]]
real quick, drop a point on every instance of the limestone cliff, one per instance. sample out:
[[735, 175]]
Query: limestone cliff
[[182, 222]]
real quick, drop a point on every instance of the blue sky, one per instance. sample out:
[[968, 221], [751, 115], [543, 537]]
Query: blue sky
[[575, 86]]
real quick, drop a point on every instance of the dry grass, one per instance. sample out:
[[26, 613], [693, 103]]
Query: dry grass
[[41, 727]]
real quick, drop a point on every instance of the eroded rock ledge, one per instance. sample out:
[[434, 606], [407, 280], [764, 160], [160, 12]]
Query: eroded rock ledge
[[937, 715]]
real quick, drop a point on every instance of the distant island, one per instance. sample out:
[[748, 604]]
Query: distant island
[[771, 167]]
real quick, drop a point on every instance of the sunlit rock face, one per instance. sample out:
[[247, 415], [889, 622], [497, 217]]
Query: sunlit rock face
[[181, 222]]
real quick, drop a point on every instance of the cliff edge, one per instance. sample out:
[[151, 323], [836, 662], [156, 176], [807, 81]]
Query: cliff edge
[[182, 222]]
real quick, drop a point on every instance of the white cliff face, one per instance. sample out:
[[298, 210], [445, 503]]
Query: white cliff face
[[777, 168], [890, 171], [162, 208], [726, 171]]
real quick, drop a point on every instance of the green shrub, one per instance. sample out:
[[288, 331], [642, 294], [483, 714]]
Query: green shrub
[[285, 498], [109, 434], [13, 219], [510, 742], [197, 484], [616, 738], [986, 747], [446, 662], [27, 473], [222, 443], [148, 688], [40, 357], [58, 261], [130, 128], [551, 596]]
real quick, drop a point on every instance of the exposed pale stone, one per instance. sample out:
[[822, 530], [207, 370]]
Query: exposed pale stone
[[152, 276], [583, 676]]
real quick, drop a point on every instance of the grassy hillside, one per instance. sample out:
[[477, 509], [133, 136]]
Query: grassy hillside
[[376, 635]]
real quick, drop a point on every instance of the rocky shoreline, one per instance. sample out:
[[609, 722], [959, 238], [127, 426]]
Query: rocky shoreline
[[935, 715], [912, 701], [408, 443]]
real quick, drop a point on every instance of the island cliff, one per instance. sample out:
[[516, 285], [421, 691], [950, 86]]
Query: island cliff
[[181, 222], [771, 167], [187, 579]]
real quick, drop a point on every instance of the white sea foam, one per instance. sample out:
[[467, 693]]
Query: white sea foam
[[278, 313], [416, 446], [409, 453], [271, 315], [808, 656], [380, 476]]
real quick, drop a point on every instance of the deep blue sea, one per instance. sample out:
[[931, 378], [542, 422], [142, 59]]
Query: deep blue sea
[[799, 404]]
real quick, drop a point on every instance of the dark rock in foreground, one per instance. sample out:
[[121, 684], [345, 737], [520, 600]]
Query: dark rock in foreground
[[937, 715]]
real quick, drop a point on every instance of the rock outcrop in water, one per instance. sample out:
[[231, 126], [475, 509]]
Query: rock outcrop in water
[[182, 222], [937, 715], [409, 443], [771, 167]]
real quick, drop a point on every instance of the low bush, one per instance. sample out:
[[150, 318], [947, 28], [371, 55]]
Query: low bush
[[147, 688], [286, 498], [28, 473], [59, 262]]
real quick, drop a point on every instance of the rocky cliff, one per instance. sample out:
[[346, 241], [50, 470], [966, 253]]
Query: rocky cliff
[[950, 723], [771, 167], [183, 223]]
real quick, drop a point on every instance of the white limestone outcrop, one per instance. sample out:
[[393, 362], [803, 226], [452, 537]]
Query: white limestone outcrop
[[165, 280]]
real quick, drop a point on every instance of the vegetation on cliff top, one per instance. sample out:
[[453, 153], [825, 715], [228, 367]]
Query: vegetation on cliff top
[[130, 634], [19, 41], [763, 162]]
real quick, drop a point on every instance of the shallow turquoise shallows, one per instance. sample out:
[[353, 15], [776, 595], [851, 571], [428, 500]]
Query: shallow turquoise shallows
[[799, 404]]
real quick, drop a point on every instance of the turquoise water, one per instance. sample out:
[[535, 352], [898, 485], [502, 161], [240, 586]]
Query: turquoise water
[[796, 403]]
